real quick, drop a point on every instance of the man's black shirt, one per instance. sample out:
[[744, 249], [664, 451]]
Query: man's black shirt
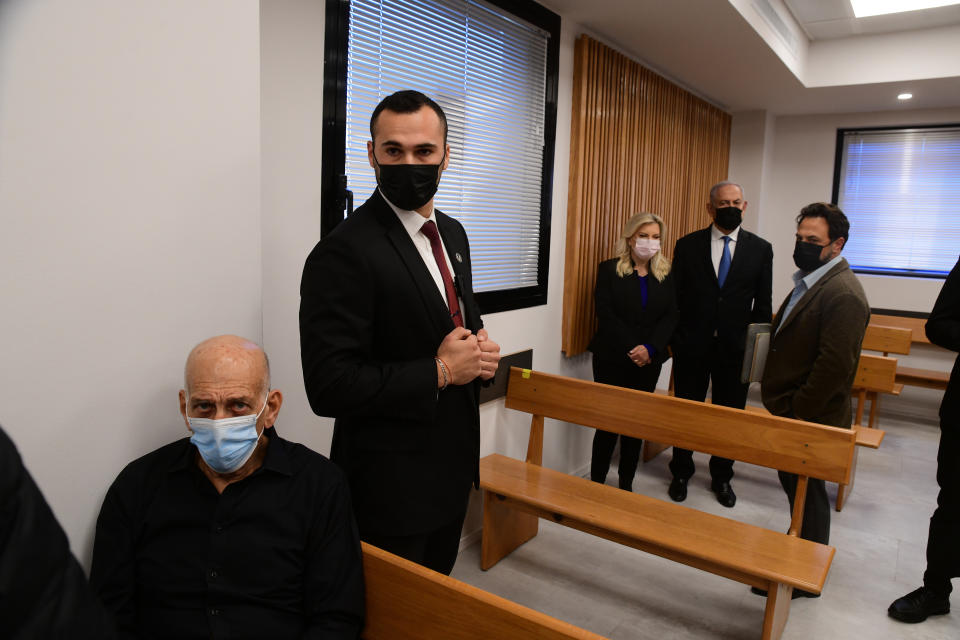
[[276, 555]]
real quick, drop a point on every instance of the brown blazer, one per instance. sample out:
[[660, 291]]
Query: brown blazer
[[813, 358]]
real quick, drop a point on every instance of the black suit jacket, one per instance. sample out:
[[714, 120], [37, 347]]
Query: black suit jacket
[[371, 320], [623, 322], [943, 329], [705, 307]]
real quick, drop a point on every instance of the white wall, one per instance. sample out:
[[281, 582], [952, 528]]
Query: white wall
[[291, 99], [129, 225]]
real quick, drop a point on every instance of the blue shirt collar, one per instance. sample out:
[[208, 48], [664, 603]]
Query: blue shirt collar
[[810, 279]]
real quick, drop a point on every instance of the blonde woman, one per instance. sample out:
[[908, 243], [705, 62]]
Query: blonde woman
[[636, 314]]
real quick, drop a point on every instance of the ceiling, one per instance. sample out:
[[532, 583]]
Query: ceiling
[[826, 19], [710, 48]]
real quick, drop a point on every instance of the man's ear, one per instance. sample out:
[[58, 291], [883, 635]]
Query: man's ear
[[370, 157], [274, 401], [446, 157], [838, 248], [183, 408]]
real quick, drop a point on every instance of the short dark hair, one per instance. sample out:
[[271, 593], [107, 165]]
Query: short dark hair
[[408, 101], [837, 224]]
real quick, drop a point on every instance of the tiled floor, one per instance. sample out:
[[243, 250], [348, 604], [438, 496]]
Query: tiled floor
[[622, 593]]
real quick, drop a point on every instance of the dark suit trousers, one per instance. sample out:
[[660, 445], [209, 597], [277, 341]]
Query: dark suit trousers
[[435, 549], [630, 376], [692, 374], [943, 548], [816, 511]]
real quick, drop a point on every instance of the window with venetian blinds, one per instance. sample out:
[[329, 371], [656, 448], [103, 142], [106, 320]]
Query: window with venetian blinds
[[488, 71], [900, 189]]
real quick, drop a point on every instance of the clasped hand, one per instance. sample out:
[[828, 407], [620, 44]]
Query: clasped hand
[[639, 355], [467, 355]]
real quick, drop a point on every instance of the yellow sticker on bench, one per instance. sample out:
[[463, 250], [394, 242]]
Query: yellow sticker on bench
[[525, 373]]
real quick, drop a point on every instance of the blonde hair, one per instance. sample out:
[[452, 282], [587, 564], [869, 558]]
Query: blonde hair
[[659, 264]]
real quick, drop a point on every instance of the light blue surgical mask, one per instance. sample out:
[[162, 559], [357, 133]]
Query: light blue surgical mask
[[226, 444]]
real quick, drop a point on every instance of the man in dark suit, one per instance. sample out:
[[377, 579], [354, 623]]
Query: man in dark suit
[[943, 551], [723, 277], [392, 344], [815, 347]]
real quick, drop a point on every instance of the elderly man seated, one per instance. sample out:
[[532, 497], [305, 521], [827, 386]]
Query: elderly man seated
[[233, 532]]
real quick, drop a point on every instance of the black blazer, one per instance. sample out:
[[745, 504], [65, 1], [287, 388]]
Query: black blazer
[[371, 319], [705, 308], [623, 322], [943, 329]]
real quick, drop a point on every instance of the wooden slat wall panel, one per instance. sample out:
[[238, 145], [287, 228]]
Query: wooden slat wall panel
[[637, 143]]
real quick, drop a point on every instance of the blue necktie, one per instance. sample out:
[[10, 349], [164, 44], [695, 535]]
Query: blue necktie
[[724, 261]]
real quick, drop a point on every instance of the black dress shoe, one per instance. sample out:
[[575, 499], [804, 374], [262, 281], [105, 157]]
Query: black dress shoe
[[678, 490], [918, 604], [797, 593], [725, 494]]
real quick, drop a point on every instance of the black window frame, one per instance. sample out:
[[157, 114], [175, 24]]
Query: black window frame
[[335, 196], [835, 196]]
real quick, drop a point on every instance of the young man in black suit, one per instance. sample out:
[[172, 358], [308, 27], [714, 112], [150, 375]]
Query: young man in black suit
[[723, 277], [393, 347], [943, 552]]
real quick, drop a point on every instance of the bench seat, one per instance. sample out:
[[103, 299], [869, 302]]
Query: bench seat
[[743, 552], [923, 378]]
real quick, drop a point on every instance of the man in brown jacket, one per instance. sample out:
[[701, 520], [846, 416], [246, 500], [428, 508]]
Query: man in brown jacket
[[815, 346]]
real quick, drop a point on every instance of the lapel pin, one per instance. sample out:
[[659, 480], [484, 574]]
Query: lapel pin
[[457, 256]]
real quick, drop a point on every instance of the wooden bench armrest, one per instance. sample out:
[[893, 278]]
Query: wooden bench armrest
[[405, 601]]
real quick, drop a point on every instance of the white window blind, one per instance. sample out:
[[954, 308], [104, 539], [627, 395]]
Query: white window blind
[[487, 70], [900, 188]]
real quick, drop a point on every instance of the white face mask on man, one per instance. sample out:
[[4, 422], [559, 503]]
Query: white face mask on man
[[646, 248]]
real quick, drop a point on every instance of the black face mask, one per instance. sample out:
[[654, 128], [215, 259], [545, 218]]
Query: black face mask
[[806, 256], [409, 186], [729, 218]]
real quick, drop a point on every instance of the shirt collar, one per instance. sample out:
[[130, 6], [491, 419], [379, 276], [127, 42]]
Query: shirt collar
[[276, 459], [810, 279], [718, 235], [411, 220]]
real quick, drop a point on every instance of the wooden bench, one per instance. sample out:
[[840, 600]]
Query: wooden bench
[[865, 437], [879, 376], [929, 378], [917, 326], [408, 602], [517, 493], [875, 374]]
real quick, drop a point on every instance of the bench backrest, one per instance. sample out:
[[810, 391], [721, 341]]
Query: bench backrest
[[778, 443], [408, 602], [916, 325], [887, 339], [876, 373]]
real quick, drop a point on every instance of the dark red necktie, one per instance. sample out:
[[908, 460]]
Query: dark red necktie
[[429, 229]]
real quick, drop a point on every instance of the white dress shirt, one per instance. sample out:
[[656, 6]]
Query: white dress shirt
[[412, 221], [716, 245]]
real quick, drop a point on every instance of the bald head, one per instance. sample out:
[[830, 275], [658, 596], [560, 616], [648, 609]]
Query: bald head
[[227, 360]]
